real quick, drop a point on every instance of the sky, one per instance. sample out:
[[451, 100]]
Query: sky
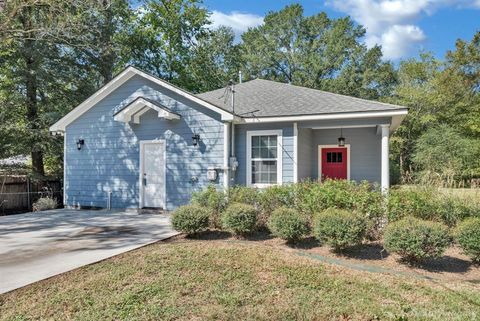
[[403, 28]]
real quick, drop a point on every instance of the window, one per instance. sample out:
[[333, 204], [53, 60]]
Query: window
[[264, 158], [334, 157]]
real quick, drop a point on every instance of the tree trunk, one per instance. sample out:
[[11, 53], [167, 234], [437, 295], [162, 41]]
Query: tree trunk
[[31, 87]]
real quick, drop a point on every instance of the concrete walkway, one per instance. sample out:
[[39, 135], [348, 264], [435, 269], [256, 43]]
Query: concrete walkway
[[35, 246]]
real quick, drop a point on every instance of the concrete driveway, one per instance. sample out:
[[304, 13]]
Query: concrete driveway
[[35, 246]]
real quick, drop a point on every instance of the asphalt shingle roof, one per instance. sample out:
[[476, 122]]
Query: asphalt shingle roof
[[272, 99]]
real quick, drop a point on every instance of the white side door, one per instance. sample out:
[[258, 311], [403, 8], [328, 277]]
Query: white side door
[[152, 174]]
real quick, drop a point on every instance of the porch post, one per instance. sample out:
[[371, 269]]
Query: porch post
[[385, 179], [295, 153], [226, 152]]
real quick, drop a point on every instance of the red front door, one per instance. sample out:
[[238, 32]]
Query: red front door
[[334, 163]]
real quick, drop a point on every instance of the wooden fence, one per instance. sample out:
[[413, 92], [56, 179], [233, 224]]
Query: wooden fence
[[19, 192]]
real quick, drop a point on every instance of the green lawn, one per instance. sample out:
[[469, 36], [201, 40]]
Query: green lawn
[[206, 280]]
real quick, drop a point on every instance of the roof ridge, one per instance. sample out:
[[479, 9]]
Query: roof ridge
[[332, 93]]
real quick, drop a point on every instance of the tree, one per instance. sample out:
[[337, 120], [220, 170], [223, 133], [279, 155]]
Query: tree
[[443, 154], [316, 52], [30, 33], [103, 50], [215, 59], [163, 36]]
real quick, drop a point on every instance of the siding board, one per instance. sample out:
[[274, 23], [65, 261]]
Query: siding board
[[109, 160]]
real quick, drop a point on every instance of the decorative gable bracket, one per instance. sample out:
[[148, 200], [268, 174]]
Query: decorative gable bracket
[[134, 110]]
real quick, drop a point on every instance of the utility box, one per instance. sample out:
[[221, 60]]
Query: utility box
[[212, 174], [233, 163]]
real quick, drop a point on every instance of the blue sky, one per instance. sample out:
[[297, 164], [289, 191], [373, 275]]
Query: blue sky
[[402, 27]]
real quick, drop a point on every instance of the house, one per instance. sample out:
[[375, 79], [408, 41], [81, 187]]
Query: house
[[142, 142]]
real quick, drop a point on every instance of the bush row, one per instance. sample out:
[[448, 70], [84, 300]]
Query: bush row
[[347, 213], [310, 197], [412, 238]]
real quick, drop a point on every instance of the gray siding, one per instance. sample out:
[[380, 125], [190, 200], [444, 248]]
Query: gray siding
[[109, 160], [365, 149], [304, 153], [240, 177]]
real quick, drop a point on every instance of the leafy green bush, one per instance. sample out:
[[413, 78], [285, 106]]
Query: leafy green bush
[[339, 228], [275, 197], [213, 200], [467, 235], [190, 219], [414, 239], [243, 194], [363, 198], [288, 224], [239, 219], [44, 204], [429, 204]]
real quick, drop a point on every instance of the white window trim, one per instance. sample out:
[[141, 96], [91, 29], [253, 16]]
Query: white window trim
[[140, 176], [279, 134], [320, 147]]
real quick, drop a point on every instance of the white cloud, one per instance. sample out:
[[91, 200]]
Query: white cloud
[[391, 23], [398, 40], [239, 22]]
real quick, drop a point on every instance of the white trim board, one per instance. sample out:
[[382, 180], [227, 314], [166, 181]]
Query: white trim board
[[116, 82], [397, 117], [250, 134], [139, 107], [141, 169], [320, 147]]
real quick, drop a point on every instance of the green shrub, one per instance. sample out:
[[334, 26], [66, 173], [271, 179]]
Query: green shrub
[[239, 219], [414, 239], [467, 235], [339, 228], [429, 204], [190, 219], [362, 198], [275, 197], [244, 195], [44, 204], [213, 200], [288, 224]]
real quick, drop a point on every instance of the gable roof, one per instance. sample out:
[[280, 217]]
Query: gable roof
[[120, 79], [264, 98]]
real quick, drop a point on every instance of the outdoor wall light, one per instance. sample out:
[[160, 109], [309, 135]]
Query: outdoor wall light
[[341, 139], [80, 143], [195, 139]]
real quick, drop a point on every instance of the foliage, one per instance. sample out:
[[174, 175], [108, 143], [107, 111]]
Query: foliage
[[44, 204], [467, 234], [414, 239], [243, 194], [239, 219], [361, 197], [316, 51], [212, 200], [275, 197], [288, 224], [339, 228], [190, 219], [443, 154], [429, 204]]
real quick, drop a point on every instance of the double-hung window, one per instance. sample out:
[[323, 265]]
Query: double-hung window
[[264, 158]]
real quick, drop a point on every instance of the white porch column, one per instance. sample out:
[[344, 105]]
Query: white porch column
[[385, 180], [226, 152], [295, 153]]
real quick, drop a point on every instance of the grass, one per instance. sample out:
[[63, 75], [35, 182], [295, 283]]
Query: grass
[[207, 280]]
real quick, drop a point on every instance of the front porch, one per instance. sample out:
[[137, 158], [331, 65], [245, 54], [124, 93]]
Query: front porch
[[364, 155]]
